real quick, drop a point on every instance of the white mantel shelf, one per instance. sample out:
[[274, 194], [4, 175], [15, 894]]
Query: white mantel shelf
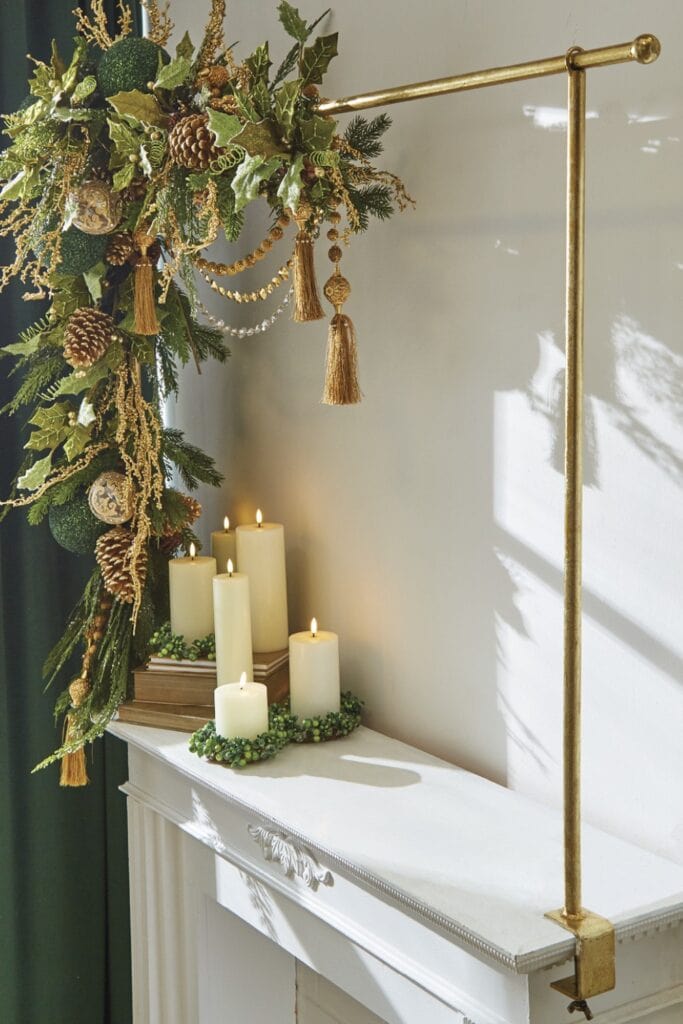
[[427, 868]]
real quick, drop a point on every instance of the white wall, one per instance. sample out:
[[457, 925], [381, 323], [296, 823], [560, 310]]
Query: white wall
[[425, 525]]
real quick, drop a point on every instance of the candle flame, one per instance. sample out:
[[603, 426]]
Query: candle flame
[[259, 517], [314, 627], [226, 524], [243, 681], [230, 567], [193, 552]]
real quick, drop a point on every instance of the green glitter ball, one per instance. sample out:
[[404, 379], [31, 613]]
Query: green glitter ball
[[80, 252], [74, 526], [129, 64]]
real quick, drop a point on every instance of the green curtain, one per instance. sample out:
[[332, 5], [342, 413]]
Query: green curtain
[[64, 932]]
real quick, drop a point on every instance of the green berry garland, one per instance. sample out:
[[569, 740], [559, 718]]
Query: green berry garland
[[166, 644], [284, 728]]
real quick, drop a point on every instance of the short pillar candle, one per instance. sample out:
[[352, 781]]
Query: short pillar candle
[[313, 672], [232, 622], [261, 555], [191, 594], [223, 545], [241, 709]]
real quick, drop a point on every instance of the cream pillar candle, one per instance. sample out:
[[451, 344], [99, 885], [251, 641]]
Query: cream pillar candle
[[241, 709], [223, 546], [232, 621], [192, 595], [313, 672], [261, 555]]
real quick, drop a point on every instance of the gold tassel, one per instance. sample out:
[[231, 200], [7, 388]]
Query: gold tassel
[[72, 769], [145, 303], [307, 305], [341, 373]]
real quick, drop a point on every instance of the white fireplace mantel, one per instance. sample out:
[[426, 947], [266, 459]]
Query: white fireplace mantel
[[417, 888]]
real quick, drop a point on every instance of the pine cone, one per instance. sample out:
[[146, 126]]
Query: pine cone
[[113, 554], [191, 144], [88, 334], [120, 248]]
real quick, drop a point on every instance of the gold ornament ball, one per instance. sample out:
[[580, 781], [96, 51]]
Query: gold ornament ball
[[78, 691], [110, 498], [98, 208], [337, 290]]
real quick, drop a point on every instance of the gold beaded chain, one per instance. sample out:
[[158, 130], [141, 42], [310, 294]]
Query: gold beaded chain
[[254, 257], [256, 296]]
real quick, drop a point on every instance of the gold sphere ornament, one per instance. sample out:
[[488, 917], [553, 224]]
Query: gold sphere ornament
[[98, 208], [110, 498]]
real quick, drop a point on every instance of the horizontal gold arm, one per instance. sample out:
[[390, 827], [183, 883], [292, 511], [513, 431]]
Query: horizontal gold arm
[[644, 50]]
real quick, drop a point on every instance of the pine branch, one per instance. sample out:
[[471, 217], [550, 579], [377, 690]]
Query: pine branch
[[193, 465], [365, 136], [40, 370], [184, 336], [372, 201]]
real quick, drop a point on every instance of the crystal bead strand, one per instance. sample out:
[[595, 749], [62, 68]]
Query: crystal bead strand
[[247, 332]]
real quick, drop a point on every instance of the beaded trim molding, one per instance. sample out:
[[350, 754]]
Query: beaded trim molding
[[284, 728]]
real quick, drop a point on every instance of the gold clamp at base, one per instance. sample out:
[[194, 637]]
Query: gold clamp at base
[[594, 959]]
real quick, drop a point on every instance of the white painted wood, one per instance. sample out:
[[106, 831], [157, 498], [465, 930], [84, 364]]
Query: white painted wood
[[321, 1002], [383, 871]]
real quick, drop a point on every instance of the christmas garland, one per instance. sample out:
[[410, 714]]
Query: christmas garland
[[283, 728], [124, 164]]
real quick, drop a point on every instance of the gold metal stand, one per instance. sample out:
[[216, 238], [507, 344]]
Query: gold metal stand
[[594, 959]]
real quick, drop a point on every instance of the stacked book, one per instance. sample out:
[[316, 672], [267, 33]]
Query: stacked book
[[172, 694]]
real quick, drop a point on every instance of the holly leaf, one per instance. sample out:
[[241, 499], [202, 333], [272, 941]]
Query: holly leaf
[[223, 126], [292, 22], [53, 425], [316, 58], [69, 114], [77, 440], [317, 133], [86, 413], [290, 186], [248, 177], [259, 63], [285, 104], [185, 47], [174, 74], [14, 188], [123, 177], [124, 140], [141, 106], [246, 107], [84, 89], [36, 475], [82, 380], [260, 140], [93, 280]]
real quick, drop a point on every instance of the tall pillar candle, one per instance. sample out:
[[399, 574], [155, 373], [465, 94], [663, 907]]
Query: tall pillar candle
[[313, 672], [261, 555], [232, 621], [241, 709], [192, 595], [223, 546]]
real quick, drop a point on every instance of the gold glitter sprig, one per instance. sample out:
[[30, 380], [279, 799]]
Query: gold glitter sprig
[[160, 23], [214, 39], [96, 30]]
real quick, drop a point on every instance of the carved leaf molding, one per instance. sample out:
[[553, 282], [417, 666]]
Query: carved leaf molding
[[294, 858]]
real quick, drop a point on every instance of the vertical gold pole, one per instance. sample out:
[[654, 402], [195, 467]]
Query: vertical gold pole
[[576, 174]]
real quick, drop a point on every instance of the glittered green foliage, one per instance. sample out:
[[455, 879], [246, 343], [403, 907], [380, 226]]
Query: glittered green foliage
[[80, 252], [365, 136], [166, 644], [74, 527], [131, 63]]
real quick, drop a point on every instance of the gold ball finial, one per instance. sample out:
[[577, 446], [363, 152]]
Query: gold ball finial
[[646, 48]]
